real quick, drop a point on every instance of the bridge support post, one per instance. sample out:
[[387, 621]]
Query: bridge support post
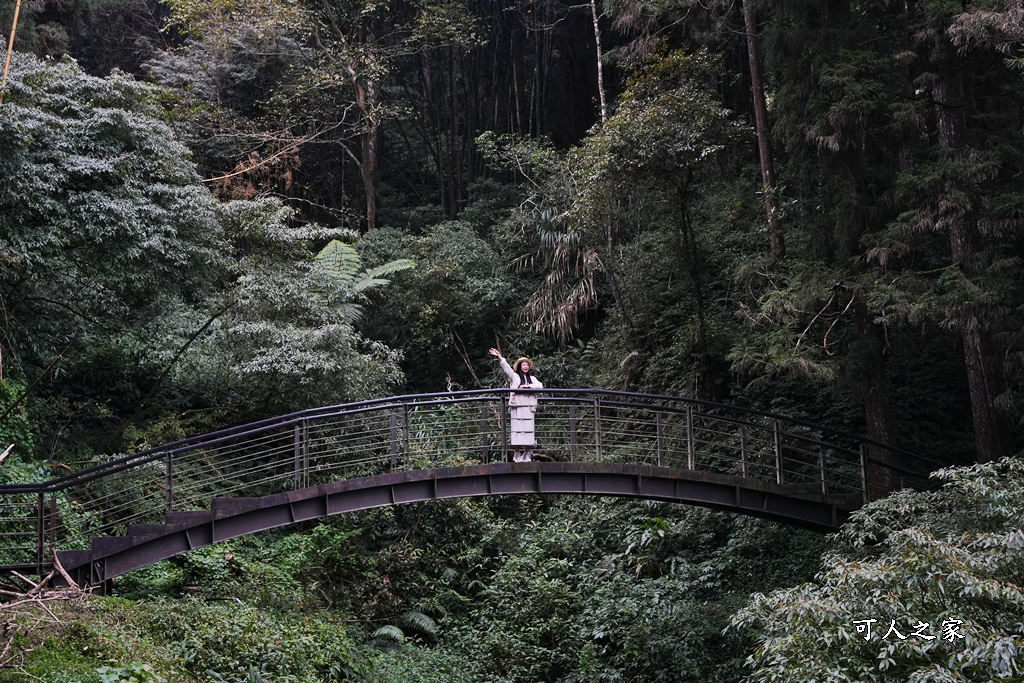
[[301, 453], [405, 430], [40, 531], [393, 420], [170, 483], [743, 450], [866, 496], [53, 523], [504, 426], [689, 437], [660, 436], [573, 443], [485, 455], [597, 428], [821, 466], [778, 453]]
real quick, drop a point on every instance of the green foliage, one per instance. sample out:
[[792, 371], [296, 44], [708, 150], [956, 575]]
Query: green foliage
[[642, 246], [135, 672], [224, 637], [946, 558], [668, 121], [90, 641], [103, 212], [656, 630], [280, 344], [618, 228], [15, 428], [422, 665], [389, 633], [448, 307], [107, 235], [903, 232]]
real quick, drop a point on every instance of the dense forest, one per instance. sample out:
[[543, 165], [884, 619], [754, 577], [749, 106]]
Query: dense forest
[[813, 207]]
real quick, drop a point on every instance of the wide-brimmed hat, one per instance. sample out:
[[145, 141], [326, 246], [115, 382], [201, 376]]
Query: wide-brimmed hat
[[515, 366]]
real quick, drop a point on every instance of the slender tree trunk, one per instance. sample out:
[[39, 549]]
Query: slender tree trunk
[[10, 50], [984, 373], [371, 158], [517, 70], [453, 157], [363, 83], [432, 128], [689, 253], [471, 105], [366, 100], [762, 130], [600, 67]]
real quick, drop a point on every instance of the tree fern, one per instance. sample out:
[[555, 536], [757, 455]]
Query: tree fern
[[341, 263]]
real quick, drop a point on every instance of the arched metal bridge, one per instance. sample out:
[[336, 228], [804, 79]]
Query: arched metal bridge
[[130, 512]]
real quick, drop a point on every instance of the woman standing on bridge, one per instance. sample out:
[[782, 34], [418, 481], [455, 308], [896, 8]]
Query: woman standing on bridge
[[523, 406]]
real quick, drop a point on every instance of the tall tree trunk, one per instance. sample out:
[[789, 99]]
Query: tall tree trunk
[[366, 100], [600, 67], [984, 373], [369, 167], [453, 158], [762, 130], [873, 383]]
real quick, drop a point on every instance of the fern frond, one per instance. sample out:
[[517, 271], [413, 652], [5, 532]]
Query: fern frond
[[340, 260], [390, 267], [350, 311], [389, 632], [421, 623], [368, 283], [375, 277]]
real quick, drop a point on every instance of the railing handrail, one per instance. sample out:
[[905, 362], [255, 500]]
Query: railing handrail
[[439, 398]]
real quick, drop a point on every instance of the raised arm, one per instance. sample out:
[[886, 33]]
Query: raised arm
[[513, 378]]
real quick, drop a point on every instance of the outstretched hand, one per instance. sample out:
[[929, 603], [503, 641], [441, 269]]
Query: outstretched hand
[[495, 352]]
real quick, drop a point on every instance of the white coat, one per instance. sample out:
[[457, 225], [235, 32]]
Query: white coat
[[522, 407]]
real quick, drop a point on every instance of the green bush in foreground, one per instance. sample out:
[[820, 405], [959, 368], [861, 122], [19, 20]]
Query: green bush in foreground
[[926, 589]]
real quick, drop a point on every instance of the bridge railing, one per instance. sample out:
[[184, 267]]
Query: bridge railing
[[425, 431]]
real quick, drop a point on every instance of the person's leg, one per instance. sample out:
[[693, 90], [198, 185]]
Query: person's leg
[[521, 435]]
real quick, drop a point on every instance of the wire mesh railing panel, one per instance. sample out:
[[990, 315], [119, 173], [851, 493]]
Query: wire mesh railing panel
[[628, 435], [342, 446], [758, 444], [842, 472], [556, 428], [809, 460], [20, 526], [452, 434], [675, 444], [255, 464], [718, 444], [133, 494]]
